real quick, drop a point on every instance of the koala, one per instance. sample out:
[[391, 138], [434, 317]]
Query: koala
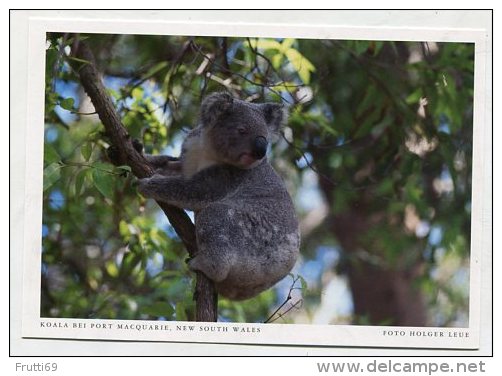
[[246, 227]]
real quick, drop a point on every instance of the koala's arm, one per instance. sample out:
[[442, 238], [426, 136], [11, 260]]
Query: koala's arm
[[164, 164], [195, 193]]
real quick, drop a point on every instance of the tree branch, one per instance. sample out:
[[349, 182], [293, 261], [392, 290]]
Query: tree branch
[[205, 294]]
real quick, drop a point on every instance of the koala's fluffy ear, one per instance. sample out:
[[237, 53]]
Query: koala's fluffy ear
[[276, 115], [214, 106]]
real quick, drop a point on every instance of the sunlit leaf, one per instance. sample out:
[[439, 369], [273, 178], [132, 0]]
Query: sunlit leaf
[[111, 269], [129, 262], [301, 64], [137, 93], [124, 229], [286, 44], [414, 97], [277, 60], [266, 44]]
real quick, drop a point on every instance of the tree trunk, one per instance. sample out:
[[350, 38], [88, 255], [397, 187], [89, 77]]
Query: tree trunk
[[383, 293]]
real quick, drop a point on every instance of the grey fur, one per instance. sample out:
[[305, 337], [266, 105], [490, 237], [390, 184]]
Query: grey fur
[[246, 226]]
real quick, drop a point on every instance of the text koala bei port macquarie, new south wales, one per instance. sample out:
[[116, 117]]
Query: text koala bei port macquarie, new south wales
[[246, 226]]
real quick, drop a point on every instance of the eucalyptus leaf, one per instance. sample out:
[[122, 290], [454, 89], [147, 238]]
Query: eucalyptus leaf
[[79, 181], [86, 150], [104, 182], [303, 66]]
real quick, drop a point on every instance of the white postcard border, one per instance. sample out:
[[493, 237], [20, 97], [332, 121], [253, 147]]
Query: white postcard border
[[333, 335]]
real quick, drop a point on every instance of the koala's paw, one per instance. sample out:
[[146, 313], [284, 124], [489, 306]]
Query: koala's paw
[[149, 187], [144, 187]]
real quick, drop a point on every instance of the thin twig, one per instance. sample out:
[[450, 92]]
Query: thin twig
[[299, 302], [84, 113], [288, 298]]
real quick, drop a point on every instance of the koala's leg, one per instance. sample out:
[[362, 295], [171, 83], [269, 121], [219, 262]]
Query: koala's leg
[[206, 265], [215, 255]]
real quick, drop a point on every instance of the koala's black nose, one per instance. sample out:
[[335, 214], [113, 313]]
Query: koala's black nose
[[260, 147]]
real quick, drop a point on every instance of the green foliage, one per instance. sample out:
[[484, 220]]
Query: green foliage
[[389, 137]]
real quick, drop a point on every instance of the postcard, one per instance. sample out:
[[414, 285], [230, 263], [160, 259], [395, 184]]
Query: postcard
[[254, 183]]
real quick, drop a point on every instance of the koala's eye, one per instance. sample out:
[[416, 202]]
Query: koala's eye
[[242, 130]]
